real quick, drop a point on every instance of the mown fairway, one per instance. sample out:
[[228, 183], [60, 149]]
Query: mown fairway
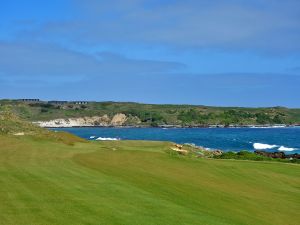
[[48, 182]]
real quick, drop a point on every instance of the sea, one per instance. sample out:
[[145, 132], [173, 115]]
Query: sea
[[228, 139]]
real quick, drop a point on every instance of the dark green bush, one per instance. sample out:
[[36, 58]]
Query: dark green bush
[[44, 110]]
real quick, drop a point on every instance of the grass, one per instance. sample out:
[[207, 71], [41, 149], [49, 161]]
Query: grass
[[49, 181]]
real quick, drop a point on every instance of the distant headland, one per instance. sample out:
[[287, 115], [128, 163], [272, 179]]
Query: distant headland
[[57, 113]]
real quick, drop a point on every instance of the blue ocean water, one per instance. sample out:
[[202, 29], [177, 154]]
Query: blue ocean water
[[234, 139]]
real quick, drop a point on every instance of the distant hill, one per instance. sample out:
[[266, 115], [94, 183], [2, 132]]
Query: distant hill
[[154, 114]]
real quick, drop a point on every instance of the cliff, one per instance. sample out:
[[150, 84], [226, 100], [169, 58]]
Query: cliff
[[118, 119]]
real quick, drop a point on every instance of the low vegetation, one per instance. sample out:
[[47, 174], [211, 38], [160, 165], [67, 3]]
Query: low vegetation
[[246, 155]]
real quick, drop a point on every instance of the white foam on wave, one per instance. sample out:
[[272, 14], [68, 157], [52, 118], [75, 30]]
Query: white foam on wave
[[92, 137], [267, 127], [107, 139], [282, 148], [260, 146]]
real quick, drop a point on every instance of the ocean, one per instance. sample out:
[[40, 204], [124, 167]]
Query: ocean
[[227, 139]]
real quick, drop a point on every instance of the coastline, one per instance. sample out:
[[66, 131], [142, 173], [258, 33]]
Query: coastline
[[243, 138], [169, 126], [272, 151]]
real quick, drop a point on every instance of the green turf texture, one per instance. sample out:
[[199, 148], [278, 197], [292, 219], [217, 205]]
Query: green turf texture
[[134, 182]]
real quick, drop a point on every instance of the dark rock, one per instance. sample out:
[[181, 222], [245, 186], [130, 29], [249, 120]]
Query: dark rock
[[293, 156], [276, 155], [217, 152]]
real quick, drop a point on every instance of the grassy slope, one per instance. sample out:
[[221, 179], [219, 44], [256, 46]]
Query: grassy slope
[[160, 114], [130, 182]]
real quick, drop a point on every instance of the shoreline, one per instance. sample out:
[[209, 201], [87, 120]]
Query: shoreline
[[174, 126]]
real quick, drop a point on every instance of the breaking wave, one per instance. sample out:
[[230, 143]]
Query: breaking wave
[[282, 148], [260, 146], [107, 139]]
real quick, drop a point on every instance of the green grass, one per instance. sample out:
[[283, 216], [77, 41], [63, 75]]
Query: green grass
[[44, 181]]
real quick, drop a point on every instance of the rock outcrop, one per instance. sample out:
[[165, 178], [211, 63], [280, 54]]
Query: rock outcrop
[[118, 119], [278, 155], [104, 121]]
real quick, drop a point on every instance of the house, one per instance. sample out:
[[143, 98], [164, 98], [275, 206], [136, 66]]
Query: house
[[30, 100], [80, 103], [57, 102]]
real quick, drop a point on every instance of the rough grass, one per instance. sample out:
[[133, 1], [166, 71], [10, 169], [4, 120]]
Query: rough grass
[[45, 181], [10, 124]]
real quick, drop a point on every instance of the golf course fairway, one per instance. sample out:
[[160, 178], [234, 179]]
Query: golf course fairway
[[136, 182]]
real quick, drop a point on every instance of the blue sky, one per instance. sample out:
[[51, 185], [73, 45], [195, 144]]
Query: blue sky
[[225, 53]]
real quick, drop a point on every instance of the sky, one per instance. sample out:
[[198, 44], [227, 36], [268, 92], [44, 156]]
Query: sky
[[201, 52]]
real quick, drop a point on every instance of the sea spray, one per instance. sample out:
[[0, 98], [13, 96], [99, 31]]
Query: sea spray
[[260, 146], [107, 139], [282, 148]]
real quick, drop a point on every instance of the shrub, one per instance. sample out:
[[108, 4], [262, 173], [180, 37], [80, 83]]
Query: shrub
[[44, 110]]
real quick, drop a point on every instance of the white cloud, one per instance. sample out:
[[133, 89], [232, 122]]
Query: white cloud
[[266, 25], [17, 59]]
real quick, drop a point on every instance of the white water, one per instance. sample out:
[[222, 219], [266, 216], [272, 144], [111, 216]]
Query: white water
[[107, 139], [260, 146], [282, 148]]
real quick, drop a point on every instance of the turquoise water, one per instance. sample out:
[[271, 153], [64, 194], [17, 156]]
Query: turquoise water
[[235, 139]]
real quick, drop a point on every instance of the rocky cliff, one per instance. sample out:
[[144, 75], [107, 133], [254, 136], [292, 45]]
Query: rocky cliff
[[117, 120]]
